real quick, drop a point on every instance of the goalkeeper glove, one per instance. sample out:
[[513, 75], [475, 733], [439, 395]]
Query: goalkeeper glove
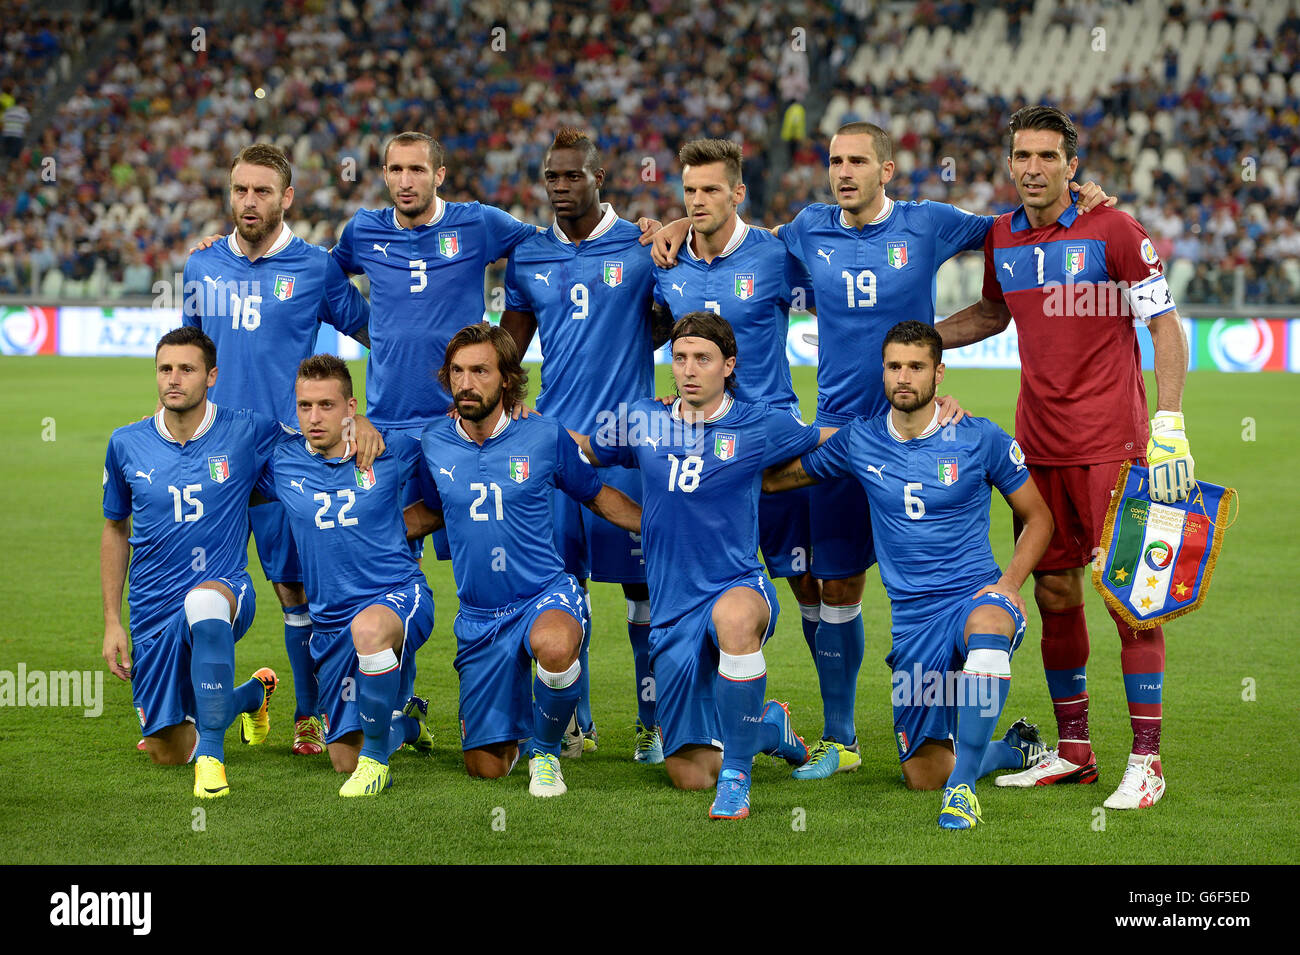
[[1169, 459]]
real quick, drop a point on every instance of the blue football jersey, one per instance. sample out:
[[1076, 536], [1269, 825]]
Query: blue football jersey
[[867, 281], [592, 305], [929, 501], [347, 523], [700, 485], [264, 316], [188, 504], [426, 284], [751, 284], [497, 503]]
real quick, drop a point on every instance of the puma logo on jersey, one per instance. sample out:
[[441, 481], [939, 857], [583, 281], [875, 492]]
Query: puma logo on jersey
[[450, 476], [654, 442], [148, 477], [1010, 270], [383, 248], [298, 484], [543, 278], [209, 278], [878, 471], [826, 255], [680, 289]]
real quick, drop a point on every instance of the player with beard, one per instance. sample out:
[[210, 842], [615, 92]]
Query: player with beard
[[261, 294]]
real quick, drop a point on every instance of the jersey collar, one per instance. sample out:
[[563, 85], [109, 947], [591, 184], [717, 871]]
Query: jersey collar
[[282, 240], [209, 415], [607, 219], [930, 428], [885, 212], [737, 236], [347, 452], [1020, 221], [727, 402], [500, 426], [439, 209]]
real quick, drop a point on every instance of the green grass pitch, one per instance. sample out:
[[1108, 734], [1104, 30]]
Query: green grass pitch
[[74, 789]]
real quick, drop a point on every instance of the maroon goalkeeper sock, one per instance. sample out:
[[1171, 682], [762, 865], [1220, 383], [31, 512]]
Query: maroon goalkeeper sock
[[1065, 660], [1142, 658]]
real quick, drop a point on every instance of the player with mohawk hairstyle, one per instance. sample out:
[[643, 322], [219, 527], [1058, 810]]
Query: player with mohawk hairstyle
[[585, 286]]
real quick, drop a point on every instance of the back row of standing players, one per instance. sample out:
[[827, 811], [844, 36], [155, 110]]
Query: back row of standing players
[[589, 287]]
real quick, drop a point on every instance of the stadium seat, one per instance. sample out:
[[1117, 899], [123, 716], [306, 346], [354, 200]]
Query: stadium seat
[[52, 283], [1175, 163], [1180, 274]]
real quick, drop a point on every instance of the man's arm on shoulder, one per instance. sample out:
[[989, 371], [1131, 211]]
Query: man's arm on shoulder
[[787, 476], [974, 323], [583, 442], [617, 508], [421, 520], [521, 326], [114, 553]]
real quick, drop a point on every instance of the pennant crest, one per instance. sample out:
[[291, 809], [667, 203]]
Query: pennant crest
[[745, 286], [219, 468], [1156, 560], [1074, 258], [519, 468], [283, 287], [612, 272], [896, 254], [948, 471], [366, 478], [449, 244], [724, 446]]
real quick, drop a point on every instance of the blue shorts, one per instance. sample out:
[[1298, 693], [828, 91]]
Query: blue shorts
[[613, 554], [684, 661], [926, 660], [275, 547], [841, 530], [441, 546], [493, 657], [335, 657], [161, 687], [785, 532]]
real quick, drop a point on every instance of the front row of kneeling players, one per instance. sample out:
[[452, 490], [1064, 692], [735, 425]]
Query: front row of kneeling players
[[184, 479]]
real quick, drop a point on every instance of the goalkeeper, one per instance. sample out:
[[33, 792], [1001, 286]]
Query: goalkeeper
[[1077, 285]]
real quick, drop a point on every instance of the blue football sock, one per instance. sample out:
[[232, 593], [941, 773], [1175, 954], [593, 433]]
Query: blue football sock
[[583, 688], [212, 669], [999, 754], [981, 694], [810, 616], [840, 646], [638, 634], [404, 729], [379, 676], [740, 690], [248, 697], [297, 644], [554, 697]]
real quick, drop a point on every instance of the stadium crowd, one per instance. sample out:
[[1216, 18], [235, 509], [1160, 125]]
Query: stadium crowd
[[139, 146]]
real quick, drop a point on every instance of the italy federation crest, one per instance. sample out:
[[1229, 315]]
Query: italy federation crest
[[724, 446], [519, 468], [366, 478], [219, 468], [947, 471], [1156, 560], [896, 254], [1074, 259], [283, 287], [745, 285], [449, 244], [612, 273]]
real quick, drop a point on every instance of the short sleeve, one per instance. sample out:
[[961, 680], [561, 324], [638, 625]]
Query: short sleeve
[[610, 442], [424, 474], [117, 493], [792, 234], [831, 460], [194, 290], [344, 250], [343, 305], [660, 299], [787, 437], [504, 232], [992, 290], [265, 485], [1003, 460], [956, 230], [574, 476], [798, 284], [516, 297]]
